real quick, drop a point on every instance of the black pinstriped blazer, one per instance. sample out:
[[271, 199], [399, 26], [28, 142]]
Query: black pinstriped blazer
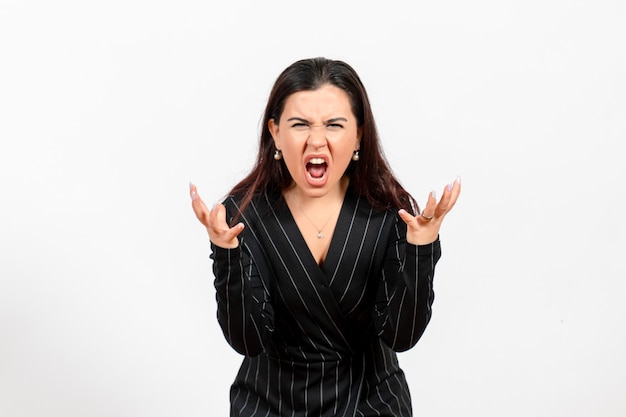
[[321, 340]]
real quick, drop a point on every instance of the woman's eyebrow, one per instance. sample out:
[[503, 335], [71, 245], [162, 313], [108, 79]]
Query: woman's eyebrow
[[336, 119], [298, 119], [329, 121]]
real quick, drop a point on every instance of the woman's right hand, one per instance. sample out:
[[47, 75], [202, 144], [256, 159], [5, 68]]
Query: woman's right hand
[[214, 220]]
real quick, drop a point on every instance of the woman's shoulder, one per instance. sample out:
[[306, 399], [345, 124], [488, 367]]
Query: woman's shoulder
[[370, 208], [255, 205]]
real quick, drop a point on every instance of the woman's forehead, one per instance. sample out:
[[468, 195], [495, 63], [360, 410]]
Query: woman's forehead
[[323, 103]]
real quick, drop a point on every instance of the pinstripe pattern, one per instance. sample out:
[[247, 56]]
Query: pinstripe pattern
[[321, 340]]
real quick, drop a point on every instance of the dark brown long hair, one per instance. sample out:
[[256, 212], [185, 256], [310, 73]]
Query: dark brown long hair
[[370, 176]]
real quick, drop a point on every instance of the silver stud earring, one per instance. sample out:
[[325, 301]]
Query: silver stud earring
[[278, 155], [355, 155]]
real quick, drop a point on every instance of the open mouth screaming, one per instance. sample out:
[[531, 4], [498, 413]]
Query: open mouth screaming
[[316, 168]]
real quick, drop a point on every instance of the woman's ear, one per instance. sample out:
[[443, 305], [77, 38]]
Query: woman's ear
[[273, 128]]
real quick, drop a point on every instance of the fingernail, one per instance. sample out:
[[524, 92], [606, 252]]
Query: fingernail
[[190, 185], [457, 180], [194, 195], [433, 194]]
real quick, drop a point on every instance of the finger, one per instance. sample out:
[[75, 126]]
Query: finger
[[199, 208], [448, 199], [220, 232], [217, 217], [406, 216], [217, 221], [455, 189], [428, 213], [234, 231], [193, 191]]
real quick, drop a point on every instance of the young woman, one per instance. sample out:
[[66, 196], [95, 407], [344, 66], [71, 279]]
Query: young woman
[[323, 266]]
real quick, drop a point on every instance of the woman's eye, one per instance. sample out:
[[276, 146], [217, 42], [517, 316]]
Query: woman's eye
[[299, 125], [335, 126]]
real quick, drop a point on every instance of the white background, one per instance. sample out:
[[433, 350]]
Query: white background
[[109, 109]]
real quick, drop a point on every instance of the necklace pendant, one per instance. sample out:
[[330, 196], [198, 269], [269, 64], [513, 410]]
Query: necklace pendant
[[320, 235]]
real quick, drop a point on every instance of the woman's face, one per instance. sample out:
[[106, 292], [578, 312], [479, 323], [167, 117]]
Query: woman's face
[[317, 134]]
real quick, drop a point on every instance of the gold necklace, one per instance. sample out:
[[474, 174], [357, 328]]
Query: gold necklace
[[320, 235]]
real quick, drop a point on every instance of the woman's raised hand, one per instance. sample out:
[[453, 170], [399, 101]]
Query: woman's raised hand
[[424, 228], [214, 220]]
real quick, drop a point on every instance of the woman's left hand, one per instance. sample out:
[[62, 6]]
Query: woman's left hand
[[424, 228]]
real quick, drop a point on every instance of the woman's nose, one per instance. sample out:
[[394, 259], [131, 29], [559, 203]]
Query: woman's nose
[[317, 136]]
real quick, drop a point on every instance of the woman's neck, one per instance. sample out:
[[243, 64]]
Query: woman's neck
[[322, 203]]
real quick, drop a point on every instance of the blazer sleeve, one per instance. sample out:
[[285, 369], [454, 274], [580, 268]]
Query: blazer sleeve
[[244, 309], [405, 294]]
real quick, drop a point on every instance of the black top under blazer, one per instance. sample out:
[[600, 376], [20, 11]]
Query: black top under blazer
[[321, 340]]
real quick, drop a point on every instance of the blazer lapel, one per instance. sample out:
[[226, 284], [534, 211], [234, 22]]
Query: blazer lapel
[[297, 271]]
